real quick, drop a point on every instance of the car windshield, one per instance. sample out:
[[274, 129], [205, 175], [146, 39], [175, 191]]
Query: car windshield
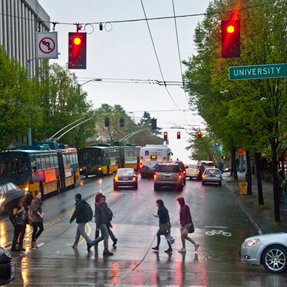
[[212, 171], [206, 163], [125, 172], [192, 166], [167, 168]]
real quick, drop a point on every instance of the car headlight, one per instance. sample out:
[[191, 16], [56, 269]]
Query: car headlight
[[252, 242]]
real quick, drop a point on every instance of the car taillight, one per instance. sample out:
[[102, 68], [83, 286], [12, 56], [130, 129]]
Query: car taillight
[[197, 170], [184, 172], [141, 165], [134, 178], [154, 176], [116, 178], [179, 176]]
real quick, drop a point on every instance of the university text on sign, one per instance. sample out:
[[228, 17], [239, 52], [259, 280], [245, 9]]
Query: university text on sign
[[258, 72]]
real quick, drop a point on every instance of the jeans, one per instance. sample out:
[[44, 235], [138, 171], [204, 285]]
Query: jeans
[[111, 234], [19, 232], [38, 228], [158, 239], [81, 231], [104, 236]]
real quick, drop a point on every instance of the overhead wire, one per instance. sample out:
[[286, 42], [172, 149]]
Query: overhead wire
[[156, 55]]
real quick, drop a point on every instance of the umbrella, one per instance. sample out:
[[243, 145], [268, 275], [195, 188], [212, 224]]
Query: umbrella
[[12, 197]]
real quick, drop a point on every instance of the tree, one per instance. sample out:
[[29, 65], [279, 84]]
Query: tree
[[62, 102], [18, 102], [234, 110]]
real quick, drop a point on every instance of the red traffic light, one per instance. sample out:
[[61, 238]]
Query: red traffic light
[[77, 50], [178, 135], [199, 134], [165, 136], [230, 38]]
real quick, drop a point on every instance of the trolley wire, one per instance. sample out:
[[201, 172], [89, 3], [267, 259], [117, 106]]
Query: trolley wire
[[156, 55]]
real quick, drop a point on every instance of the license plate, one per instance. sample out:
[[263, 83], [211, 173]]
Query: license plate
[[125, 178]]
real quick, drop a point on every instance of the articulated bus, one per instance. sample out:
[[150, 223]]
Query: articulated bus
[[103, 160], [37, 168], [150, 156]]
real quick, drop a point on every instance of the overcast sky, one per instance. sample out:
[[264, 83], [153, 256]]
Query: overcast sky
[[125, 51]]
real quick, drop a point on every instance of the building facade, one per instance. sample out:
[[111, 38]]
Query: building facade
[[19, 22]]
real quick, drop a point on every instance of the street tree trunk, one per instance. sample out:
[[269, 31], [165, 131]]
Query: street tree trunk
[[259, 178], [248, 175], [276, 187], [233, 162]]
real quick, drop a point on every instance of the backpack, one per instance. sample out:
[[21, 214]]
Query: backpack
[[88, 212]]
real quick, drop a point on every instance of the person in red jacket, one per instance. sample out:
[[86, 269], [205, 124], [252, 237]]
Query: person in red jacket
[[186, 225]]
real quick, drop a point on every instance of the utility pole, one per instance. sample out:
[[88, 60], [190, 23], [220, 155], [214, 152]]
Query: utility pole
[[29, 76]]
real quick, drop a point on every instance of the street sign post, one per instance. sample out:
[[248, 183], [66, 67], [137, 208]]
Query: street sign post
[[258, 72]]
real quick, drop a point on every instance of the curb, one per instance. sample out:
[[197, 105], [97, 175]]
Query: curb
[[244, 210]]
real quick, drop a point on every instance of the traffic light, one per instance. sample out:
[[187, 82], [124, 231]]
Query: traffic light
[[178, 135], [77, 50], [230, 38], [165, 136], [199, 134], [153, 124], [107, 122], [122, 123]]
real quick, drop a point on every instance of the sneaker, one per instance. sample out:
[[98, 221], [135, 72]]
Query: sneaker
[[169, 250], [182, 250], [108, 253], [115, 242], [155, 248], [74, 245], [196, 246]]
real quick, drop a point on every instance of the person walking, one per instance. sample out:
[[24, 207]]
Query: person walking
[[101, 219], [19, 220], [109, 224], [80, 216], [164, 225], [37, 218], [186, 225]]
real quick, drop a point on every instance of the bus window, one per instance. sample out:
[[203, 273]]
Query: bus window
[[3, 169], [146, 153]]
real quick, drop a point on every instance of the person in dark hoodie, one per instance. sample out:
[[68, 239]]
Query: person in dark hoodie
[[186, 224], [102, 220], [79, 215], [164, 225]]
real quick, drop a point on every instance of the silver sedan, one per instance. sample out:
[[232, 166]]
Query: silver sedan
[[267, 249]]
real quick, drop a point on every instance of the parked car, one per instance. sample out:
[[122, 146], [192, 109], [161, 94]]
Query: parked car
[[211, 175], [7, 268], [125, 177], [168, 175], [193, 171], [267, 249]]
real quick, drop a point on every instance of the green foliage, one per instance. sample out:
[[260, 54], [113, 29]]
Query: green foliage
[[18, 102]]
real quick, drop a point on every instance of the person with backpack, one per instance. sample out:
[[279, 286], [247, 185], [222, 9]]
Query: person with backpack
[[83, 213], [102, 221]]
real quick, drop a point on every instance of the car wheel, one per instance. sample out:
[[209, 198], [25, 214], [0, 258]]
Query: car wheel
[[202, 182], [180, 188], [136, 187], [115, 187], [156, 187], [220, 183], [274, 259]]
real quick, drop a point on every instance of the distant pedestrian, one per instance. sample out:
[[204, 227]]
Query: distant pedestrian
[[186, 225], [37, 218], [19, 219], [101, 219], [80, 214], [164, 225], [109, 224]]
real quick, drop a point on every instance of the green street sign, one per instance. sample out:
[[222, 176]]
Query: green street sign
[[258, 72]]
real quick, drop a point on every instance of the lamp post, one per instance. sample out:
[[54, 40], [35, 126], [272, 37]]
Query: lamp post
[[29, 76]]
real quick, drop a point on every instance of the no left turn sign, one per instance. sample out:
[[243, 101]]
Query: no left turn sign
[[47, 46]]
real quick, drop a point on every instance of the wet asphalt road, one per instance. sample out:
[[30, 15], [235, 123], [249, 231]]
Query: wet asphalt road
[[216, 263]]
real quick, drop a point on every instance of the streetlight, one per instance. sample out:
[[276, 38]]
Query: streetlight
[[92, 80]]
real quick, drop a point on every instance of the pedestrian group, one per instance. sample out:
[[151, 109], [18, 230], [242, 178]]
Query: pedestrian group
[[20, 216]]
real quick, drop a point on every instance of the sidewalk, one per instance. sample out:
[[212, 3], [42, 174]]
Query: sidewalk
[[260, 216]]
